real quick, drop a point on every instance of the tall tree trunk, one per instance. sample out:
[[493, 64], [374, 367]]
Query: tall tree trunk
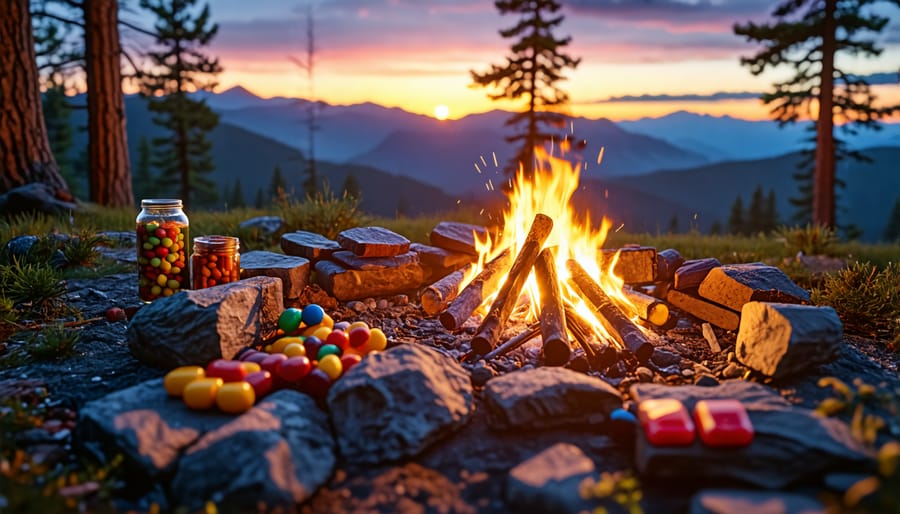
[[823, 182], [109, 167], [25, 155]]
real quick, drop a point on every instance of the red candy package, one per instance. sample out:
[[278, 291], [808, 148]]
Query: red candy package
[[723, 423], [666, 422]]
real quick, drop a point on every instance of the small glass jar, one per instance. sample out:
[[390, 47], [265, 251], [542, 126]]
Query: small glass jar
[[216, 260], [162, 235]]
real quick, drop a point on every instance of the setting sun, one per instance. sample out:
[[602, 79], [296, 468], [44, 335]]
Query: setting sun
[[441, 112]]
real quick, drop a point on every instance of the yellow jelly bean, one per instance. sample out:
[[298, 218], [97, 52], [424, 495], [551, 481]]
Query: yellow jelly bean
[[279, 344], [201, 393], [250, 367], [322, 333], [235, 397], [177, 379], [357, 324], [332, 366], [327, 321], [294, 350], [377, 341]]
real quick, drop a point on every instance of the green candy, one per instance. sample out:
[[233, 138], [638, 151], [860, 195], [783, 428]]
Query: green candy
[[153, 240], [155, 262], [289, 320], [151, 227], [328, 349], [148, 246]]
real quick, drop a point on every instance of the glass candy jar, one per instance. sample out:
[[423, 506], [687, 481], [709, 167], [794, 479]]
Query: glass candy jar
[[162, 235], [216, 260]]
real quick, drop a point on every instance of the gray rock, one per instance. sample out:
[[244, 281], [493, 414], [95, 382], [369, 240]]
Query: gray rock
[[733, 370], [373, 242], [481, 373], [121, 238], [308, 245], [780, 340], [741, 501], [397, 403], [644, 374], [19, 247], [279, 452], [350, 284], [692, 272], [267, 225], [439, 262], [790, 444], [456, 237], [550, 481], [734, 285], [293, 271], [663, 358], [36, 197], [352, 261], [706, 380], [195, 327], [548, 397]]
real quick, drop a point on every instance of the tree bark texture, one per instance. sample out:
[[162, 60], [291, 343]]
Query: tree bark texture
[[823, 181], [25, 155], [110, 169]]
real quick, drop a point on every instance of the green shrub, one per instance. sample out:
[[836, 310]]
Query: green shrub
[[52, 343], [811, 239], [35, 289], [81, 249], [323, 213], [867, 298]]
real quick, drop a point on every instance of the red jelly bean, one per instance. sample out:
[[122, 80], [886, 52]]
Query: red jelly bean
[[348, 360], [261, 382], [338, 338], [272, 362], [359, 336], [666, 422], [317, 383], [229, 371], [294, 368], [723, 423]]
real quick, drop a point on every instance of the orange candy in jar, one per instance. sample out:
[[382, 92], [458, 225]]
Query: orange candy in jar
[[216, 260]]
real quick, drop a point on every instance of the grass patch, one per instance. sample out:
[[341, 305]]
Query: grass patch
[[866, 297], [323, 213]]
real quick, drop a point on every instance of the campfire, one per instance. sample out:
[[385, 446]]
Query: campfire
[[545, 268]]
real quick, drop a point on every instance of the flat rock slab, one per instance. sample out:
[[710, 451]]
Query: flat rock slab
[[690, 274], [457, 237], [779, 339], [702, 309], [346, 284], [350, 260], [308, 245], [736, 284], [742, 501], [790, 444], [293, 271], [195, 327], [278, 453], [550, 481], [548, 397], [635, 265], [438, 262], [373, 242], [397, 403]]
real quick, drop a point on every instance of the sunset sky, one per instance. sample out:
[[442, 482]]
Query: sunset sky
[[416, 54]]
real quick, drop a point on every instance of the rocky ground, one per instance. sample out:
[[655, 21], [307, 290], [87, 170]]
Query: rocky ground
[[476, 463]]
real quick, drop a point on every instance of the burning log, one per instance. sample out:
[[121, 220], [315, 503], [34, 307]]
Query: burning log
[[553, 320], [616, 323], [489, 331], [649, 308], [514, 342], [599, 355], [438, 295], [473, 294]]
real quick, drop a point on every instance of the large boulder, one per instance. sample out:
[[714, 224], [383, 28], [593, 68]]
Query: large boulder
[[277, 453], [195, 327], [790, 444], [396, 403], [548, 397], [551, 481], [36, 197], [293, 271]]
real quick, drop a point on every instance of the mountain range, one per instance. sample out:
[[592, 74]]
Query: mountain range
[[679, 165]]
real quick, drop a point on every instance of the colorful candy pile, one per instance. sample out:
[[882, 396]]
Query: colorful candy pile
[[312, 352], [161, 257]]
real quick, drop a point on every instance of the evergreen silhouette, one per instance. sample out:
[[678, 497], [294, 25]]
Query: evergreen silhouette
[[531, 72], [736, 222], [807, 35], [716, 228], [145, 185], [673, 224], [183, 157], [236, 199], [754, 221], [351, 186], [770, 213], [260, 202], [892, 230], [277, 187]]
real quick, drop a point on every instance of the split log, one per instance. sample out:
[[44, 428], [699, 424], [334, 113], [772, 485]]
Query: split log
[[553, 320], [719, 316], [648, 308], [489, 331], [623, 330], [599, 355], [514, 342], [475, 292], [438, 295]]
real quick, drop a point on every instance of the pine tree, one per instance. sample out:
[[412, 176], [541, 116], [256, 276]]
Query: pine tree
[[754, 221], [260, 202], [184, 155], [673, 224], [277, 186], [532, 71], [716, 228], [770, 213], [736, 223], [807, 35], [236, 200], [351, 186], [145, 182], [892, 230]]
